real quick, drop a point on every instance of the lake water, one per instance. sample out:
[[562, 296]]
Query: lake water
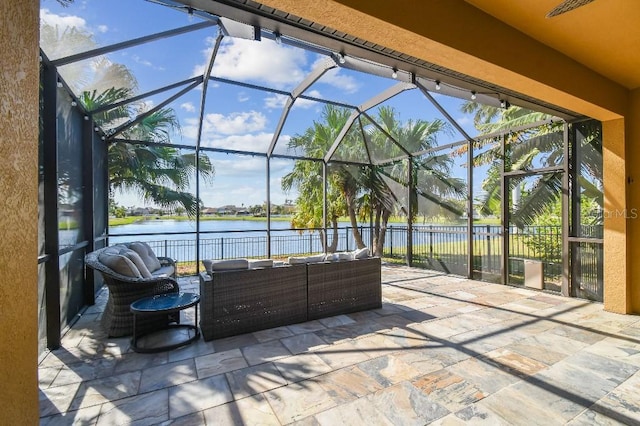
[[224, 239]]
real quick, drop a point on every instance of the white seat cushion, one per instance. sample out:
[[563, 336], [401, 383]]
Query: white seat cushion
[[120, 264], [163, 271], [307, 259]]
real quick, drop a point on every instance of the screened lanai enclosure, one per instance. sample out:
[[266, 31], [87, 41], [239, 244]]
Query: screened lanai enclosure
[[225, 129]]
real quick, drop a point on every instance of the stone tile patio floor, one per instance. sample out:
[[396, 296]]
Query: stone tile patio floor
[[442, 350]]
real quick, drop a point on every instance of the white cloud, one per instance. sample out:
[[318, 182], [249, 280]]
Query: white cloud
[[146, 63], [145, 106], [188, 106], [343, 82], [247, 142], [263, 62], [216, 126], [240, 166], [243, 97], [62, 21], [234, 123], [277, 101], [336, 78], [103, 28], [465, 120]]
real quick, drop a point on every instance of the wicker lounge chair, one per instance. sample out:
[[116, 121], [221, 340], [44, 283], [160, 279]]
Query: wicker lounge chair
[[117, 319]]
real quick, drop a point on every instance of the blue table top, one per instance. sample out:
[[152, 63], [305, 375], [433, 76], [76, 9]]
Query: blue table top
[[165, 302]]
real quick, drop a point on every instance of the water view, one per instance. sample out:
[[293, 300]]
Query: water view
[[223, 239]]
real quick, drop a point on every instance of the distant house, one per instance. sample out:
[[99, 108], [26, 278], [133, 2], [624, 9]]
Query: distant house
[[209, 211], [140, 211], [227, 210]]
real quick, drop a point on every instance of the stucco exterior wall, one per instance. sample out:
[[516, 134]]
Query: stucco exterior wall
[[632, 136], [18, 221], [616, 238]]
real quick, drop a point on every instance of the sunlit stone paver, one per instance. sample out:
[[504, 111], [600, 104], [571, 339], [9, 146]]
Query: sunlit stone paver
[[442, 350]]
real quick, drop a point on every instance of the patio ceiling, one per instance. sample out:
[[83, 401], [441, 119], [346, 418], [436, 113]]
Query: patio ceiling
[[387, 74], [602, 35]]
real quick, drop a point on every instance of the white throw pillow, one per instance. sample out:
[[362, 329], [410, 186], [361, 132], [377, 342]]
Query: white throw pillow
[[146, 254], [331, 257], [362, 253], [120, 264], [315, 258], [260, 263], [225, 265], [137, 260], [345, 256]]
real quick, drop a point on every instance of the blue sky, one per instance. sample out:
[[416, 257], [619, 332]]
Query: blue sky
[[234, 117]]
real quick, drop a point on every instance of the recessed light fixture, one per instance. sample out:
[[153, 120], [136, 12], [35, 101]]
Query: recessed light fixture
[[437, 84], [473, 95], [394, 74]]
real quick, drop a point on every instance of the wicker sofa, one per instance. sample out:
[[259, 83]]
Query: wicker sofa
[[126, 284], [249, 299]]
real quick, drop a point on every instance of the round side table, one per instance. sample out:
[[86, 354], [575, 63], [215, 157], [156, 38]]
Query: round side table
[[165, 303]]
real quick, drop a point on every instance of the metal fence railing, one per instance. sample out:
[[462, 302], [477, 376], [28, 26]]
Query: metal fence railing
[[438, 247]]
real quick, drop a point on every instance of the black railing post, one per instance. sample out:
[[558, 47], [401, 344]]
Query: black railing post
[[391, 235], [431, 241], [222, 248], [488, 252], [346, 236]]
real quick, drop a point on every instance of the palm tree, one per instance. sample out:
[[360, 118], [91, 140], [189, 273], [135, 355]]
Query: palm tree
[[306, 176], [536, 147], [159, 174], [431, 173]]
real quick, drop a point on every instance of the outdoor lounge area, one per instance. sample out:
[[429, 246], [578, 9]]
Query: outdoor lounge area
[[481, 152], [442, 350]]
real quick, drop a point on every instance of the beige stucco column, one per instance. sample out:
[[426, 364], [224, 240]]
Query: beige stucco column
[[19, 199], [616, 238], [619, 262]]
